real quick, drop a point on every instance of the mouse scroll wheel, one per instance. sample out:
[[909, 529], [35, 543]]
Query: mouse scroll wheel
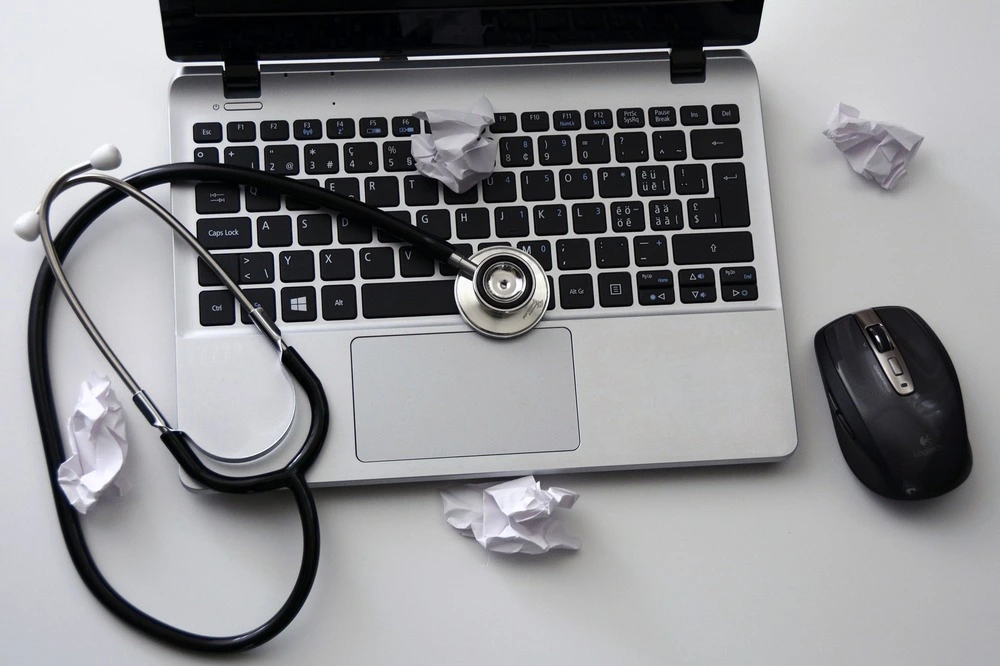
[[879, 338]]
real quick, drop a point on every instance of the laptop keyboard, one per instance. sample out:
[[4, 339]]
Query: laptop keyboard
[[625, 208]]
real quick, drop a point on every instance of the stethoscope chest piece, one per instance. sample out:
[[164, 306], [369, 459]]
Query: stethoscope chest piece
[[506, 296]]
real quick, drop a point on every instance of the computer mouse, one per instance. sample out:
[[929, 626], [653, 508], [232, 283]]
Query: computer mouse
[[896, 403]]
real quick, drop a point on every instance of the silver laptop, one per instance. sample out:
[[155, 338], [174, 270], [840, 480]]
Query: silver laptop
[[636, 175]]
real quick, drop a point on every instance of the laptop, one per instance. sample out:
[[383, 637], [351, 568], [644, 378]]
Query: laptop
[[631, 164]]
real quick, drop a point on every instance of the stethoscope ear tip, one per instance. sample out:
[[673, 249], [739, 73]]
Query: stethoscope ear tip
[[106, 157], [26, 226]]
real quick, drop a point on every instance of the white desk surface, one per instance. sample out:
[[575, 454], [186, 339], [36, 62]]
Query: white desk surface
[[794, 563]]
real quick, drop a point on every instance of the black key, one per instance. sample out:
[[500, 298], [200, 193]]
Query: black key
[[654, 280], [576, 184], [551, 220], [401, 215], [511, 221], [230, 264], [656, 296], [322, 158], [598, 119], [669, 146], [538, 186], [628, 216], [346, 187], [244, 156], [297, 266], [704, 213], [573, 254], [351, 232], [240, 131], [340, 302], [738, 275], [576, 291], [307, 129], [408, 299], [590, 218], [281, 160], [631, 147], [552, 293], [696, 277], [611, 252], [260, 200], [650, 250], [730, 182], [274, 130], [630, 118], [540, 250], [291, 203], [470, 196], [217, 198], [739, 292], [373, 128], [535, 121], [500, 187], [435, 222], [405, 126], [691, 179], [414, 263], [208, 133], [216, 308], [396, 156], [662, 116], [593, 149], [472, 223], [316, 229], [298, 304], [483, 246], [697, 294], [256, 268], [615, 289], [566, 120], [382, 191], [725, 114], [694, 115], [361, 157], [652, 181], [504, 123], [713, 248], [555, 149], [206, 155], [517, 151], [336, 264], [716, 144], [666, 215], [420, 191], [614, 182], [260, 298], [224, 233], [377, 262], [340, 128]]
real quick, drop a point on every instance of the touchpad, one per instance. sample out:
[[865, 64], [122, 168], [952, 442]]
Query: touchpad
[[462, 394]]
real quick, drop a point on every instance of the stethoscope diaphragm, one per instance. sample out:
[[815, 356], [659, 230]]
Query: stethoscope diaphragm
[[506, 295]]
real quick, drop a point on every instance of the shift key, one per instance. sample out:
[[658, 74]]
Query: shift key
[[712, 248], [224, 233]]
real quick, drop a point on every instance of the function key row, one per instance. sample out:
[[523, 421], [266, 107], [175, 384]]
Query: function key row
[[308, 129]]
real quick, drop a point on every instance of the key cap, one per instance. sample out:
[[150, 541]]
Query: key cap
[[566, 120], [207, 133], [500, 187], [336, 264], [281, 160], [224, 233], [627, 216], [650, 250], [654, 280], [697, 294], [615, 289], [243, 156], [576, 184], [511, 221], [256, 268], [351, 232], [274, 130], [472, 223], [669, 146], [414, 263], [738, 275], [691, 179], [704, 213], [217, 198], [322, 158], [464, 249], [361, 157], [573, 254], [662, 116], [377, 262], [405, 126], [259, 298], [716, 144], [298, 304], [383, 191], [347, 187], [420, 191], [713, 248], [206, 155], [598, 119], [590, 218], [593, 148], [291, 203], [401, 215], [230, 264], [665, 215], [340, 302], [555, 149], [216, 308], [551, 220], [576, 291], [373, 128], [470, 196], [694, 115], [725, 114], [535, 121], [614, 182], [396, 156], [517, 151], [739, 292], [730, 183], [504, 122], [435, 222], [540, 250], [630, 118], [611, 252], [661, 296], [652, 181], [340, 128], [538, 186], [696, 277], [307, 129], [483, 246], [240, 131], [316, 229], [408, 299], [552, 293], [631, 147], [296, 266], [261, 200]]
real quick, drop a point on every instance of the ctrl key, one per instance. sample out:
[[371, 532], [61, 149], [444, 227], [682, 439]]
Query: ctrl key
[[216, 308]]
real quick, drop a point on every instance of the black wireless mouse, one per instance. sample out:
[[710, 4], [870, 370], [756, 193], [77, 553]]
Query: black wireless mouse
[[896, 403]]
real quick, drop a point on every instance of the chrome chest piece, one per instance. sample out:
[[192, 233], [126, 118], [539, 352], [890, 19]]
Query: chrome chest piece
[[507, 294]]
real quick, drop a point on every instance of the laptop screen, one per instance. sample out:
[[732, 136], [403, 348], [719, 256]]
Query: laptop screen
[[216, 30]]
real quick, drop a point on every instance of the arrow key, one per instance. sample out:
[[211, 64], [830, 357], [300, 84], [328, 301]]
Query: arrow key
[[739, 292], [697, 294], [656, 296]]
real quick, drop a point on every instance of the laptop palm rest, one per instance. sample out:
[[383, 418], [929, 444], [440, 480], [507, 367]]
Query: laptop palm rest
[[461, 394]]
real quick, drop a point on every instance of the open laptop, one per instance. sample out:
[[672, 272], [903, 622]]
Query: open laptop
[[636, 175]]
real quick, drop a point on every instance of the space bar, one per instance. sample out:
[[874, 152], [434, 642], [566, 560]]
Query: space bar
[[408, 299]]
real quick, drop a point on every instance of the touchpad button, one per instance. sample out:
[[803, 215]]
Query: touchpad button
[[462, 394]]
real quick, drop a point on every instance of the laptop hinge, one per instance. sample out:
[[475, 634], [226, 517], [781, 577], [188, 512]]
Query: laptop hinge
[[241, 78], [687, 63]]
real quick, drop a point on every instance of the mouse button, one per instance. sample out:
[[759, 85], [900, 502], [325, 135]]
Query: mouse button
[[880, 338]]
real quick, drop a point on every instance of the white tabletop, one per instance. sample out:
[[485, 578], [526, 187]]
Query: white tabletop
[[791, 563]]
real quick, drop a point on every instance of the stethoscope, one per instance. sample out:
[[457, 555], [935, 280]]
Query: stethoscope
[[501, 292]]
